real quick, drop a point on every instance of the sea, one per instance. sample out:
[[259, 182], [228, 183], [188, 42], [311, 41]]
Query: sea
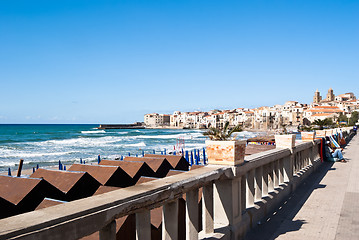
[[47, 144]]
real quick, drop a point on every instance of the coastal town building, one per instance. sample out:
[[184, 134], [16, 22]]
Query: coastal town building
[[291, 114], [157, 120]]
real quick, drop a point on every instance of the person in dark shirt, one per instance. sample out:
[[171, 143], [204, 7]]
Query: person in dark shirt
[[333, 154]]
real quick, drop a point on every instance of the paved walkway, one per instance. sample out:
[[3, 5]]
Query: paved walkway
[[326, 206]]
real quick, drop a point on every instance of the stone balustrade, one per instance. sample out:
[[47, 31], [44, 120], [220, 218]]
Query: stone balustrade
[[234, 199]]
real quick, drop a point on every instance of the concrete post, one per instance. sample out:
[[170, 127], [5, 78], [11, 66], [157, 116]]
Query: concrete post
[[250, 188], [192, 215], [207, 208], [143, 225], [227, 205], [109, 231], [270, 177], [288, 168], [281, 170], [170, 221], [308, 154], [276, 174], [243, 194], [258, 183], [297, 162], [265, 181]]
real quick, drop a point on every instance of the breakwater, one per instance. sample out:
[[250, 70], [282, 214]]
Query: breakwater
[[137, 125]]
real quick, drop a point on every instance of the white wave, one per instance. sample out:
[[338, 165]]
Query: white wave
[[80, 142], [140, 144], [122, 132], [19, 154], [171, 136], [195, 145], [89, 132]]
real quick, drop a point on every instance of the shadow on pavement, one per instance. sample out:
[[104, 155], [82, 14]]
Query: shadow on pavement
[[273, 226]]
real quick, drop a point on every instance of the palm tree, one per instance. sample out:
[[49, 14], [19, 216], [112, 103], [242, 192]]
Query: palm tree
[[224, 134], [322, 123]]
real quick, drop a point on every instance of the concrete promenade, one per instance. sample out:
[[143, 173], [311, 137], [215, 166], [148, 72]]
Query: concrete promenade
[[325, 206]]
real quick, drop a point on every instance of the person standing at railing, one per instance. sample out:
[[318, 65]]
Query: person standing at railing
[[333, 155]]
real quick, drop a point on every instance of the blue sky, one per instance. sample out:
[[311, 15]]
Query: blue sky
[[103, 61]]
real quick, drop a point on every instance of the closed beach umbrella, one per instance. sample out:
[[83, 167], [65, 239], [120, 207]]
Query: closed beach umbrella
[[204, 156], [80, 160], [165, 151], [9, 172], [98, 158], [192, 158], [187, 158]]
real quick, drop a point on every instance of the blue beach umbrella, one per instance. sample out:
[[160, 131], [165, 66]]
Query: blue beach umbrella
[[37, 166], [143, 153], [64, 167], [182, 152], [60, 167], [154, 152], [98, 159], [191, 158], [33, 169], [9, 172], [121, 157], [129, 154], [187, 158], [165, 151], [84, 162], [80, 160], [174, 153]]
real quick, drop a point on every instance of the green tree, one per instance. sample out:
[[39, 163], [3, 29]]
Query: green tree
[[342, 118], [224, 134], [354, 118], [323, 123]]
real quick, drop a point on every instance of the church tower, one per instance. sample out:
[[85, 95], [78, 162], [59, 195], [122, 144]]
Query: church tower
[[317, 98], [330, 95]]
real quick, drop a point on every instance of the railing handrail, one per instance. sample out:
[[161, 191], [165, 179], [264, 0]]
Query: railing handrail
[[78, 217], [107, 206]]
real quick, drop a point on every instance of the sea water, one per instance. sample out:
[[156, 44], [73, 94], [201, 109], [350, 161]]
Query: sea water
[[46, 144]]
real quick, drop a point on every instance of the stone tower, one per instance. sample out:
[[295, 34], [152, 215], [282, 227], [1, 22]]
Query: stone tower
[[330, 95], [317, 98]]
